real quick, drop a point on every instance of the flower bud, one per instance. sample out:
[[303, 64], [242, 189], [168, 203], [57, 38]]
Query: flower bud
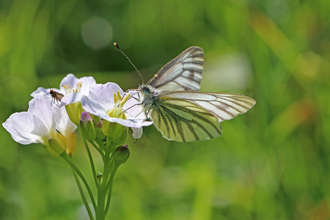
[[99, 176], [113, 130], [87, 126], [121, 140], [50, 150], [74, 111], [121, 154], [55, 147]]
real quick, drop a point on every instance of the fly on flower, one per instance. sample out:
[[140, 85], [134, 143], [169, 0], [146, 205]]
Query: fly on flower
[[56, 96], [171, 99], [69, 95], [71, 89]]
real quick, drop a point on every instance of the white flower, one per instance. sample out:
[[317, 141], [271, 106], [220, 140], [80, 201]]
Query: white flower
[[110, 103], [71, 87], [74, 89], [41, 123], [71, 91]]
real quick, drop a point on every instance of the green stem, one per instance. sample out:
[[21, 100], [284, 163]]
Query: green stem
[[98, 148], [102, 191], [110, 184], [90, 214], [75, 168], [110, 146], [91, 161], [108, 173], [99, 143]]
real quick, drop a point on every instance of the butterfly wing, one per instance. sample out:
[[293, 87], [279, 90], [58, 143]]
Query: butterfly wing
[[190, 116], [224, 106], [184, 121], [184, 72]]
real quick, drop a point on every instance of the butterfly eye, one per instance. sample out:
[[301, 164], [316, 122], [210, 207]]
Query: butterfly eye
[[146, 90]]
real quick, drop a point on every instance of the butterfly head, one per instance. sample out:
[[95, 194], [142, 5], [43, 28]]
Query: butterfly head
[[148, 90], [145, 89], [149, 95]]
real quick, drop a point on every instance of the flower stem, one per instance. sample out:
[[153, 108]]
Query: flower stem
[[90, 214], [90, 160], [107, 179], [99, 147], [100, 215], [110, 184], [65, 156]]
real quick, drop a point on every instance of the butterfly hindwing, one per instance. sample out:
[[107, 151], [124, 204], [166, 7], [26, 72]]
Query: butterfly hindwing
[[182, 73], [184, 121]]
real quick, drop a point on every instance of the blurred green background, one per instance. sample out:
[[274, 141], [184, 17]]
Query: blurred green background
[[271, 163]]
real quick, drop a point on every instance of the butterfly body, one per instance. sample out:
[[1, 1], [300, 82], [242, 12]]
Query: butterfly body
[[149, 96], [171, 99]]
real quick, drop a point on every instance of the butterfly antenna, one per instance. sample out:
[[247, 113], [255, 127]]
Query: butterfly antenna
[[47, 82], [116, 45]]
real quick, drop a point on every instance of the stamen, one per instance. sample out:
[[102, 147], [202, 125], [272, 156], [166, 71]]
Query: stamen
[[117, 110], [78, 88], [124, 100], [67, 89], [118, 96], [115, 98]]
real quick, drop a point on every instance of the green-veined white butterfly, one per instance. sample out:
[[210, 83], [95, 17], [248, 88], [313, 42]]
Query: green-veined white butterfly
[[179, 111]]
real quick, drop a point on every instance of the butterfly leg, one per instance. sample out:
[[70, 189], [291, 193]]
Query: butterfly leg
[[147, 113], [130, 108], [129, 90], [138, 114], [137, 99], [139, 96]]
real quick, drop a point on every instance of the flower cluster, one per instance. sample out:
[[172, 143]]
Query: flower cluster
[[54, 114]]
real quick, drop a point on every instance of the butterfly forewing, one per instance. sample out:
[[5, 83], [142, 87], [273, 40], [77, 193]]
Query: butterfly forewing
[[184, 121], [182, 73]]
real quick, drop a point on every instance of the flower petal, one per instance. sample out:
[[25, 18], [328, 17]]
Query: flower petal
[[71, 80], [103, 93], [100, 98], [63, 122], [71, 98], [133, 123], [43, 91], [93, 107], [41, 107], [137, 133], [26, 128], [87, 82]]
